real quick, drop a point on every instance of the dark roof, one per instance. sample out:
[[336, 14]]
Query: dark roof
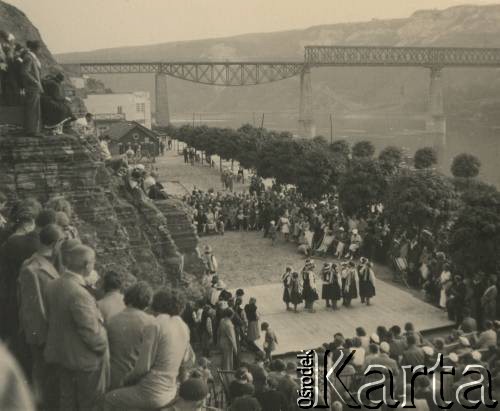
[[119, 129]]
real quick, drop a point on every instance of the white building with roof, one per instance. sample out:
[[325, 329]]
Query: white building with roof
[[134, 106]]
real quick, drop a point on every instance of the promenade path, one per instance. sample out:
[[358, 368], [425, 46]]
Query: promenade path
[[180, 177], [249, 261]]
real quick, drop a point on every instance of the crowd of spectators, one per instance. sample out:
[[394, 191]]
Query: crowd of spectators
[[321, 229], [83, 340], [395, 348], [275, 385]]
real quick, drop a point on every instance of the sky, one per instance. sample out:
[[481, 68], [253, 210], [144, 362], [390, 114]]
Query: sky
[[80, 25]]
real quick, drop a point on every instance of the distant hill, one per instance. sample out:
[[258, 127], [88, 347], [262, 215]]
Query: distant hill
[[342, 90], [456, 26]]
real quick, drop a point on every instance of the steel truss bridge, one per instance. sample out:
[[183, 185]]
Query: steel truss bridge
[[248, 73], [213, 73]]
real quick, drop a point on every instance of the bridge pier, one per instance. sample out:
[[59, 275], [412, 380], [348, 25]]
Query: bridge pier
[[307, 127], [162, 113], [436, 121]]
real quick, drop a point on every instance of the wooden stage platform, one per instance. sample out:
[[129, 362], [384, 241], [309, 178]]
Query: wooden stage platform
[[303, 330]]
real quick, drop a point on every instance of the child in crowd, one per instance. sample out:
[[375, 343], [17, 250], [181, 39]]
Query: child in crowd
[[270, 341]]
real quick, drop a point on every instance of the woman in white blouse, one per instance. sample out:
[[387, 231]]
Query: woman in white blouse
[[152, 383]]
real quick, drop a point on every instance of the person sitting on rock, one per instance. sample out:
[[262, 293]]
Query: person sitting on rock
[[103, 148], [55, 106]]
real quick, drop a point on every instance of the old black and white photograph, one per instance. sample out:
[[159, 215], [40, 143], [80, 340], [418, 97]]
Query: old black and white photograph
[[249, 205]]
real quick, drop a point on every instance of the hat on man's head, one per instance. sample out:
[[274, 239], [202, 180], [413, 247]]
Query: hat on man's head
[[259, 375], [476, 355], [220, 284], [193, 389], [385, 347], [260, 356], [33, 44], [453, 357], [375, 338], [464, 341], [203, 362], [429, 351]]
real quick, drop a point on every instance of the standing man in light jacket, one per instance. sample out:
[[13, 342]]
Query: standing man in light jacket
[[77, 341], [227, 340], [32, 81], [37, 272]]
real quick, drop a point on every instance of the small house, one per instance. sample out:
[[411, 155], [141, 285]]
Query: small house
[[125, 134]]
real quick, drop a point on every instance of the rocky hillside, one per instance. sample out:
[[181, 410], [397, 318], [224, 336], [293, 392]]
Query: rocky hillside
[[344, 90], [14, 21], [154, 241], [151, 241]]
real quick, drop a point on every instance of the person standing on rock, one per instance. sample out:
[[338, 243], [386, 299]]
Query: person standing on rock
[[37, 272], [76, 339], [33, 89]]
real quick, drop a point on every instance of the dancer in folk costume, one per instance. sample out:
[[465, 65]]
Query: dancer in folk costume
[[366, 281], [331, 291], [349, 283], [326, 287], [295, 291], [309, 291], [286, 279]]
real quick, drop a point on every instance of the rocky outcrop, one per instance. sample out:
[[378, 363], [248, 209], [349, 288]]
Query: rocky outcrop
[[183, 232], [128, 235]]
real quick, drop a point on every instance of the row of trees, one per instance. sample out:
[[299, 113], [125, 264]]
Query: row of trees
[[461, 211]]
